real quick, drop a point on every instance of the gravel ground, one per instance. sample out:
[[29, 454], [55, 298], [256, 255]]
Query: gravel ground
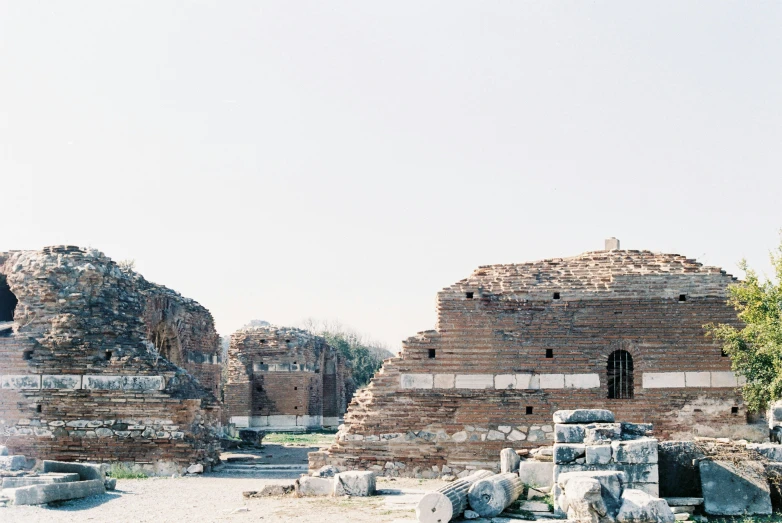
[[213, 497]]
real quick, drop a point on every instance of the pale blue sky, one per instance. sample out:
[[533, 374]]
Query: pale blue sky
[[346, 160]]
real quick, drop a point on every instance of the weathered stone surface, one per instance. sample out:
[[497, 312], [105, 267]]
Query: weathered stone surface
[[3, 450], [568, 433], [354, 483], [583, 501], [684, 502], [598, 454], [196, 468], [270, 490], [311, 486], [328, 471], [732, 491], [635, 451], [509, 460], [636, 430], [43, 479], [584, 416], [597, 433], [86, 471], [568, 452], [39, 494], [12, 462], [536, 473], [610, 481], [639, 507]]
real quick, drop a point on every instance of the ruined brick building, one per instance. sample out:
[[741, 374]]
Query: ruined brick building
[[98, 364], [615, 329], [285, 379]]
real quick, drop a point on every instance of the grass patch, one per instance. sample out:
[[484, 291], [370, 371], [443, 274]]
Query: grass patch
[[311, 439], [120, 471]]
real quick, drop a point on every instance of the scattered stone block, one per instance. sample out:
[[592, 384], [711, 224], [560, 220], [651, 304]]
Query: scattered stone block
[[327, 471], [509, 460], [582, 500], [354, 483], [610, 483], [568, 433], [536, 473], [732, 491], [196, 468], [312, 486], [86, 471], [39, 494], [771, 451], [639, 507], [12, 462], [534, 506], [110, 483], [43, 479], [270, 490], [584, 416], [568, 452], [635, 451]]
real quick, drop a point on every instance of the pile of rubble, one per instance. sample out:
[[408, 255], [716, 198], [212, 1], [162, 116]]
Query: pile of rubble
[[23, 482]]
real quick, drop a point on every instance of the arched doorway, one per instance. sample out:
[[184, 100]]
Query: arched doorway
[[620, 375], [8, 301]]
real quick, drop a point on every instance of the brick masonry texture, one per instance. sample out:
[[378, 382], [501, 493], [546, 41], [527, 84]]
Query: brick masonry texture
[[99, 364], [531, 324], [284, 378]]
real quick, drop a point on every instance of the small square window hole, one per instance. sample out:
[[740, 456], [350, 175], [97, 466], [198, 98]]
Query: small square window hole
[[682, 297], [556, 295], [27, 355], [529, 411], [549, 353], [723, 353], [108, 355], [295, 388], [38, 408], [432, 353], [734, 410], [470, 295]]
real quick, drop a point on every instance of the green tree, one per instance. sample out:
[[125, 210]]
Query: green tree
[[365, 357], [755, 348]]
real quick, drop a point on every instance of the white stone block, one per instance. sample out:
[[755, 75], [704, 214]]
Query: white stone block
[[443, 381], [527, 381], [416, 381], [582, 381], [552, 381], [102, 382], [143, 383], [724, 379], [61, 381], [21, 381], [240, 421], [282, 421], [474, 381], [505, 381], [663, 380], [697, 379]]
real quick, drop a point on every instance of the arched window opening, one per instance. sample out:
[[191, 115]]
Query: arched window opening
[[8, 301], [620, 375], [167, 344]]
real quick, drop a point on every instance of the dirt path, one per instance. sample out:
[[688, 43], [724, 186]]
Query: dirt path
[[210, 498]]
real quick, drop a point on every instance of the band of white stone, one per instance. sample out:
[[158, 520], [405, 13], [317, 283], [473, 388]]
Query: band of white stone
[[672, 380], [650, 380], [78, 381], [500, 381]]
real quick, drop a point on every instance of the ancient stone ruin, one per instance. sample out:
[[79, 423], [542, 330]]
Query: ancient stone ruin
[[98, 364], [612, 329], [285, 379]]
